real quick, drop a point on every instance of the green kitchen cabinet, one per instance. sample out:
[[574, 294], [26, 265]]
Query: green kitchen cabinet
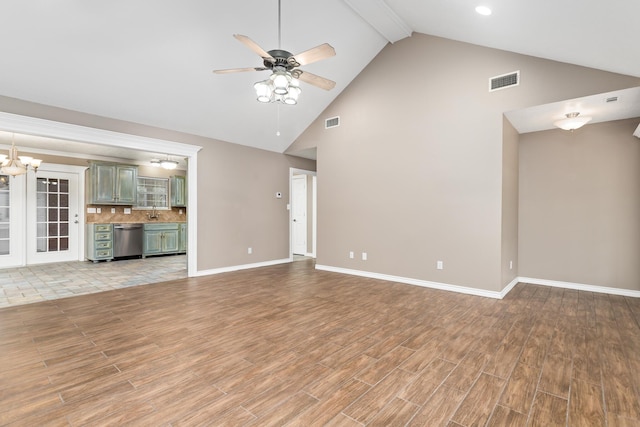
[[182, 239], [160, 239], [99, 242], [112, 184], [178, 191]]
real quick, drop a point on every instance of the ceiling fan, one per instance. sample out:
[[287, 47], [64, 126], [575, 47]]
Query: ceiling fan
[[282, 85]]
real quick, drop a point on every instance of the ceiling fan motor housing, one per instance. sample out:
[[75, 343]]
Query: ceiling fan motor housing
[[282, 58]]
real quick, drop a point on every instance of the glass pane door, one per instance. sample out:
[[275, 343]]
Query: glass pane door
[[5, 215], [12, 205], [52, 215]]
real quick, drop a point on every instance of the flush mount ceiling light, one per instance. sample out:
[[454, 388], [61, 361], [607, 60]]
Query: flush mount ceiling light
[[483, 10], [165, 163], [573, 121], [15, 165]]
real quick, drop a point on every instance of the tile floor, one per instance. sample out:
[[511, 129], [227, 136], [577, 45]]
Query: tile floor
[[35, 283]]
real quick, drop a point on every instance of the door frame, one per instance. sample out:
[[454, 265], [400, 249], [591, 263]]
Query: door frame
[[47, 128], [17, 224], [314, 209], [296, 220], [31, 182]]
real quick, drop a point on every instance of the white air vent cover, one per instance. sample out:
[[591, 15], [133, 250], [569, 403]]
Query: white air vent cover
[[504, 81], [332, 122]]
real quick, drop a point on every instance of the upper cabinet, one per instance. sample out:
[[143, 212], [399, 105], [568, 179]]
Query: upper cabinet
[[153, 193], [111, 184], [178, 191]]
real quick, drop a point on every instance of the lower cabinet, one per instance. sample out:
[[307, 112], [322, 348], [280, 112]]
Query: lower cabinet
[[160, 239], [99, 242], [182, 239]]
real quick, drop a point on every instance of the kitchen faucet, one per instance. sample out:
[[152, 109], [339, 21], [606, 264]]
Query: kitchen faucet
[[154, 214]]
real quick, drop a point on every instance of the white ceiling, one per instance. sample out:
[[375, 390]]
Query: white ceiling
[[603, 107], [151, 61]]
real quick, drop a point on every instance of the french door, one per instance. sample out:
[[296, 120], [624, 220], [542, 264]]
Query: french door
[[52, 217], [11, 221], [41, 217]]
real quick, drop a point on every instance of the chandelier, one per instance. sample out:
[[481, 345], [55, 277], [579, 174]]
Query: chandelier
[[15, 165], [281, 86]]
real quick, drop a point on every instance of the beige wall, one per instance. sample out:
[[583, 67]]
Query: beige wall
[[415, 174], [510, 166], [580, 205], [310, 214], [237, 207]]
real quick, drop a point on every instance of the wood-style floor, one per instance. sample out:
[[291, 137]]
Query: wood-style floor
[[289, 345]]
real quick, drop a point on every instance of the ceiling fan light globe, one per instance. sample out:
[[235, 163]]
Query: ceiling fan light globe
[[291, 98], [263, 91], [280, 80]]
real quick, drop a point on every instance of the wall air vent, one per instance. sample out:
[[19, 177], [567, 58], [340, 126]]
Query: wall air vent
[[504, 81], [332, 122]]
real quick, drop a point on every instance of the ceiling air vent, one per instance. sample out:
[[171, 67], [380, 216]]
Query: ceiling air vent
[[332, 122], [504, 81]]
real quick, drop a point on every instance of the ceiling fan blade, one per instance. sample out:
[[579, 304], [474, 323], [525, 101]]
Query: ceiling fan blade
[[318, 81], [239, 70], [315, 54], [254, 47]]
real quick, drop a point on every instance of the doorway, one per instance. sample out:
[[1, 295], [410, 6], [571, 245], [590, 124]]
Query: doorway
[[41, 216], [302, 212], [53, 217]]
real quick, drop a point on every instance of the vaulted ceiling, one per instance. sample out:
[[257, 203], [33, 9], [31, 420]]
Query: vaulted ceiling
[[151, 61]]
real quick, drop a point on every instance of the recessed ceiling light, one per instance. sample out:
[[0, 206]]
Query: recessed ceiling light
[[483, 10]]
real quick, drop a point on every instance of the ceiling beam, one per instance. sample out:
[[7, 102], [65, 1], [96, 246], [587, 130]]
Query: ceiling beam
[[381, 17]]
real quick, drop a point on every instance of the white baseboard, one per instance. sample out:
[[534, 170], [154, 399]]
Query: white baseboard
[[242, 267], [416, 282], [508, 288], [581, 287], [437, 285]]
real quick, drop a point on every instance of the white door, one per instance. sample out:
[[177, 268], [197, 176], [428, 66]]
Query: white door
[[52, 217], [299, 213], [11, 221]]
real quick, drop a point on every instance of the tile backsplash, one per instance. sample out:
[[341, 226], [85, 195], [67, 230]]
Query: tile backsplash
[[137, 216]]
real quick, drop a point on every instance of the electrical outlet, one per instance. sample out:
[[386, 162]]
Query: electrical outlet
[[250, 251], [440, 265], [364, 256], [510, 265], [113, 210], [98, 210], [351, 255], [180, 211]]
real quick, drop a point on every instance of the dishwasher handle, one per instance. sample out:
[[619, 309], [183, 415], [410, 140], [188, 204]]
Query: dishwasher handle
[[127, 226]]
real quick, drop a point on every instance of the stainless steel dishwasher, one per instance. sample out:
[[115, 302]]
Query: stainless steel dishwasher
[[127, 240]]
